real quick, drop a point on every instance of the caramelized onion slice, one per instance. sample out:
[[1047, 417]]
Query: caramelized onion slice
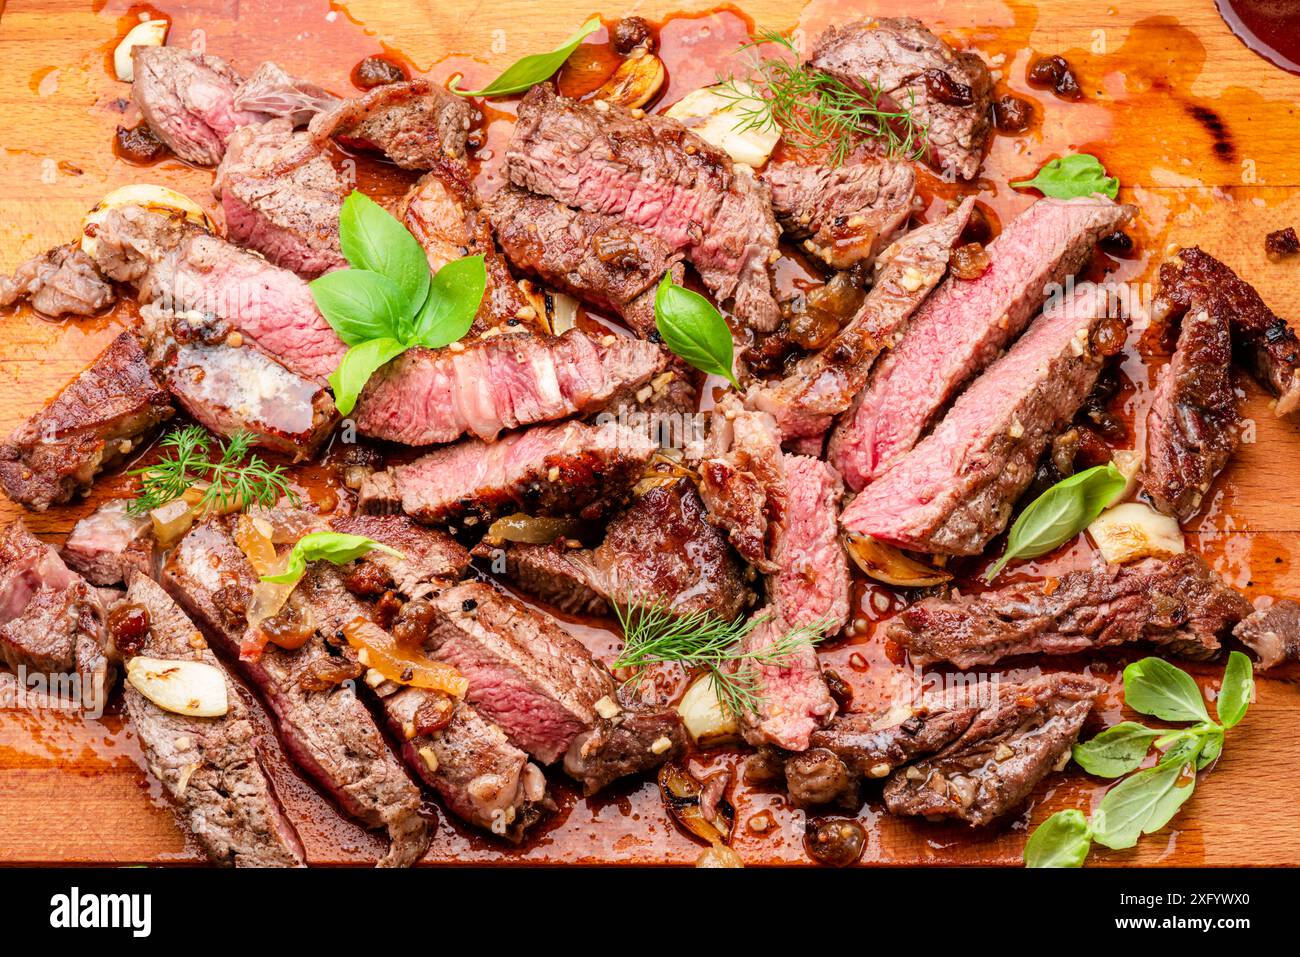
[[681, 795], [531, 529], [380, 651], [635, 82], [890, 565]]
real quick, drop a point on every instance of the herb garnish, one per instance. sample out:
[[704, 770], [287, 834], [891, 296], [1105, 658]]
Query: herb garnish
[[1146, 801], [532, 69], [235, 477], [334, 547], [694, 330], [1061, 513], [813, 109], [1080, 174], [653, 634], [387, 303]]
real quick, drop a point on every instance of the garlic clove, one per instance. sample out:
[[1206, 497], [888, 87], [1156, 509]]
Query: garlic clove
[[148, 33], [1134, 530], [192, 688], [718, 115]]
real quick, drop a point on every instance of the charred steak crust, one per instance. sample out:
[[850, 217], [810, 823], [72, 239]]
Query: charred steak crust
[[1180, 604], [414, 123]]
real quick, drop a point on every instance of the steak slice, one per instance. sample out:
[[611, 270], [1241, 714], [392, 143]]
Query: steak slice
[[1008, 748], [325, 727], [428, 397], [211, 768], [563, 578], [843, 215], [60, 282], [95, 421], [110, 543], [955, 491], [566, 469], [812, 585], [657, 176], [794, 699], [1273, 633], [1194, 424], [414, 123], [274, 94], [1179, 604], [282, 198], [825, 384], [427, 556], [964, 326], [1196, 280], [599, 259], [901, 65], [632, 742]]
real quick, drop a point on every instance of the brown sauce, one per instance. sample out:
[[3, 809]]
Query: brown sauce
[[1269, 27]]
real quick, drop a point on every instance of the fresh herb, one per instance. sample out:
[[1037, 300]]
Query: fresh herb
[[813, 109], [386, 303], [1147, 800], [1061, 513], [234, 478], [693, 329], [1080, 174], [653, 634], [534, 68], [333, 547]]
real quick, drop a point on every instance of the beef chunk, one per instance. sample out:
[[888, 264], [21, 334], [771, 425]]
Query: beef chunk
[[106, 546], [415, 123], [61, 282], [630, 743], [1272, 632]]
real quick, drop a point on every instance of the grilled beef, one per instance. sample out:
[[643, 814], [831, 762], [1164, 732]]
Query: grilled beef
[[902, 65], [999, 759], [631, 742], [659, 177], [428, 397], [795, 700], [1194, 424], [109, 544], [964, 326], [955, 491], [325, 727], [563, 578], [60, 282], [427, 556], [211, 768], [825, 384], [1195, 280], [1272, 632], [843, 215], [415, 123], [93, 422], [601, 260], [273, 94], [282, 198], [1179, 604]]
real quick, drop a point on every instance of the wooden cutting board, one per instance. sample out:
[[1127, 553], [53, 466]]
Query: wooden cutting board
[[1200, 131]]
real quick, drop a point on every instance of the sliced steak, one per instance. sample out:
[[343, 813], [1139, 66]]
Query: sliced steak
[[96, 420], [999, 759], [632, 742], [825, 384], [1194, 424], [428, 556], [325, 727], [955, 491], [1196, 280], [562, 577], [1273, 633], [812, 585], [657, 176], [110, 543], [60, 282], [843, 215], [414, 123], [901, 65], [211, 768], [272, 93], [794, 698], [601, 260], [282, 198], [964, 326], [1179, 604], [428, 397]]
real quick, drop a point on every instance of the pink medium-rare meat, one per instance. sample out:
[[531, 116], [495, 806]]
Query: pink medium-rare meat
[[812, 585], [794, 701]]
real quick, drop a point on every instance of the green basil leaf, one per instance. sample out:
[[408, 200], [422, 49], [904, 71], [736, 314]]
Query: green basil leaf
[[1183, 745], [1237, 690], [693, 329], [372, 239], [1154, 686], [1116, 751], [359, 304], [454, 298], [358, 364], [1063, 840], [333, 547], [1142, 804], [1080, 174], [1211, 747], [534, 68], [1061, 513]]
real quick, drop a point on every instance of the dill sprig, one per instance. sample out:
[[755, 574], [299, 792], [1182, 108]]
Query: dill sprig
[[814, 109], [234, 477], [653, 634]]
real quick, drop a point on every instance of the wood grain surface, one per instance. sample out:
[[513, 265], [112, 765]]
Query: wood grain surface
[[1200, 131]]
